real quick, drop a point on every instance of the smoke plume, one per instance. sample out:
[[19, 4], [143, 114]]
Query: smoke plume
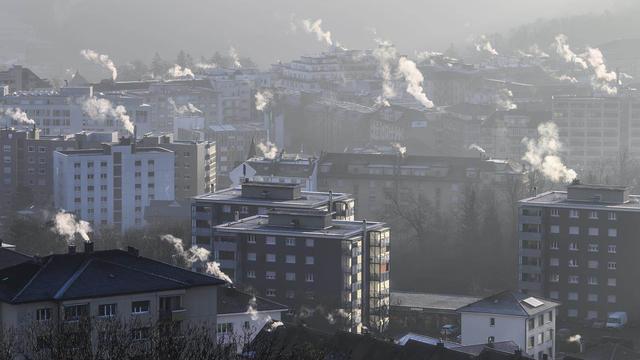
[[504, 100], [269, 149], [233, 54], [484, 45], [543, 154], [184, 109], [564, 50], [477, 148], [315, 27], [102, 60], [602, 78], [177, 72], [413, 77], [66, 225], [400, 148], [19, 116], [194, 255], [102, 109], [386, 55], [263, 99], [567, 78]]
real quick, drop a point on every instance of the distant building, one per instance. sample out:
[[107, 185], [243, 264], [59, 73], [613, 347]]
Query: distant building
[[195, 164], [112, 186], [19, 78], [575, 246], [282, 168], [528, 321], [303, 258]]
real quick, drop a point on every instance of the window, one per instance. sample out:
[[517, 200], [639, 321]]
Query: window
[[252, 239], [492, 322], [572, 313], [290, 276], [244, 210], [291, 259], [140, 307], [251, 256], [594, 231], [554, 278], [140, 334], [611, 249], [541, 320], [593, 214], [532, 342], [573, 279], [75, 312], [592, 280], [573, 246], [574, 230], [593, 248], [555, 212], [612, 232], [309, 260], [270, 240], [308, 277], [540, 338], [592, 297], [554, 229], [271, 257], [573, 213], [554, 262], [611, 299], [611, 282], [107, 310], [612, 216], [246, 325], [290, 241], [225, 328], [43, 314], [554, 295], [226, 208], [573, 296], [271, 292], [309, 242], [550, 316], [612, 265], [553, 245], [270, 275], [251, 274], [593, 264], [290, 294]]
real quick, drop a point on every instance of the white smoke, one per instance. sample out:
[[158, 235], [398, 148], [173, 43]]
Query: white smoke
[[477, 148], [102, 109], [233, 54], [428, 56], [315, 27], [194, 255], [252, 311], [602, 78], [269, 149], [484, 45], [413, 77], [184, 109], [386, 55], [567, 78], [102, 60], [177, 71], [574, 338], [504, 100], [543, 154], [206, 66], [400, 148], [19, 116], [263, 99], [66, 225], [564, 50], [274, 325]]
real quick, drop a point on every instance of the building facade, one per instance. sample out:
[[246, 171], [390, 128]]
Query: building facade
[[282, 168]]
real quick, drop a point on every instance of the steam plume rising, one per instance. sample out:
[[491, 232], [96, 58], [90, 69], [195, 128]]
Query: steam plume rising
[[263, 99], [564, 50], [483, 44], [477, 148], [503, 100], [101, 109], [386, 54], [401, 149], [102, 60], [315, 27], [19, 116], [66, 225], [568, 78], [269, 149], [177, 71], [414, 79], [184, 109], [194, 255], [233, 54], [602, 77], [543, 156], [252, 310]]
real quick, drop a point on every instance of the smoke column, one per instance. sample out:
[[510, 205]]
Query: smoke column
[[564, 50], [19, 116], [101, 109], [184, 109], [413, 77], [315, 27], [102, 60], [233, 54], [503, 100], [483, 44], [178, 71], [386, 54], [602, 78], [269, 149], [263, 99], [65, 224], [196, 254], [543, 154], [401, 149]]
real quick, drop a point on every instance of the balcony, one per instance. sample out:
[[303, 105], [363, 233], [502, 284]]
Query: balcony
[[172, 315]]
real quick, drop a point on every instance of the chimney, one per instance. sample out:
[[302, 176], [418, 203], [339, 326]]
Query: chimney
[[236, 215], [133, 251], [490, 341], [88, 247], [71, 250], [330, 201]]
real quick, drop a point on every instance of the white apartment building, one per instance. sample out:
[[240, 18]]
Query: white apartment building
[[528, 321], [113, 185]]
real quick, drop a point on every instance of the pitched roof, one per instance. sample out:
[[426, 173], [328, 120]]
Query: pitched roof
[[96, 274], [234, 301], [510, 303], [9, 257]]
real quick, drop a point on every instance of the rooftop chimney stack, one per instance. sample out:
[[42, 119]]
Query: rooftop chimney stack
[[71, 249], [88, 247]]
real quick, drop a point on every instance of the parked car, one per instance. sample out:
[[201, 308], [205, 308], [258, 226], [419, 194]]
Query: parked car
[[617, 320]]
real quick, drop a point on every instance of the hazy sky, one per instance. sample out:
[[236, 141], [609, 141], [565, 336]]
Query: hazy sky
[[129, 29]]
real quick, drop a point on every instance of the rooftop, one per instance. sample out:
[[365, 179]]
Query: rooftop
[[559, 199], [309, 199], [430, 301], [234, 301], [510, 303], [9, 257]]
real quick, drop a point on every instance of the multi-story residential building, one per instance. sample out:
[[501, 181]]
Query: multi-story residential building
[[528, 321], [62, 289], [112, 186], [503, 131], [257, 198], [19, 78], [282, 168], [234, 142], [304, 258], [577, 246], [195, 164], [598, 131], [376, 179]]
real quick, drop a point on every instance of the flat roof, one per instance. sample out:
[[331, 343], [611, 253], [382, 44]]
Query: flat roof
[[431, 301], [559, 199], [308, 199]]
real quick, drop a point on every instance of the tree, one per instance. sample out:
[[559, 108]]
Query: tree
[[158, 66]]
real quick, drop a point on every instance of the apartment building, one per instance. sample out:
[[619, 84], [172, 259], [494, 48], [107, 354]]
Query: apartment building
[[304, 259], [195, 164], [112, 186], [281, 168], [597, 131], [528, 321], [577, 246]]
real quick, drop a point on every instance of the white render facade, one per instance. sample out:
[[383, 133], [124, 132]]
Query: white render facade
[[112, 186]]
